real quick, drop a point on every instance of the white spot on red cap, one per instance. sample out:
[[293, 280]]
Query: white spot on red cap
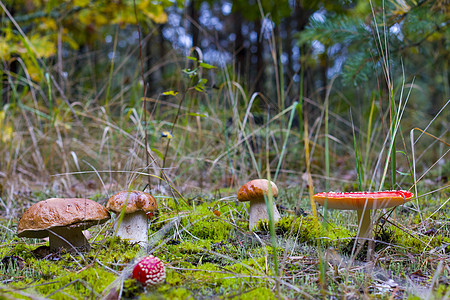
[[149, 271]]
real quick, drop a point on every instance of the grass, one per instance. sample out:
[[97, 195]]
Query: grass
[[93, 147]]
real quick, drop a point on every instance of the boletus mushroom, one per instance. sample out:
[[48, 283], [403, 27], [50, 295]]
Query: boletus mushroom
[[255, 191], [63, 221], [363, 202], [134, 205]]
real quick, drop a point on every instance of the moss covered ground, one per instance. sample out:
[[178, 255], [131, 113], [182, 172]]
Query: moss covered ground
[[210, 253]]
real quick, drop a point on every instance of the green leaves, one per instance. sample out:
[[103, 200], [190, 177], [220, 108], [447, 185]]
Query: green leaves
[[197, 82], [200, 86], [207, 66]]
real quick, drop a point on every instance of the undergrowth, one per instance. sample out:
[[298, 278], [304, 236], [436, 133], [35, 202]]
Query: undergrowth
[[208, 254]]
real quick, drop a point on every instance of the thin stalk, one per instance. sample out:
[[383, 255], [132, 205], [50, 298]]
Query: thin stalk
[[147, 157], [281, 72], [50, 98], [300, 103], [359, 169], [327, 148], [308, 167], [393, 141], [322, 263], [270, 212], [369, 134], [283, 150], [173, 125], [111, 69]]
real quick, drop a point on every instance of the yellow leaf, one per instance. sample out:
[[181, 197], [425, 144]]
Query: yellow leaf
[[7, 130], [69, 40], [33, 70], [5, 49], [43, 45], [153, 11], [48, 24], [81, 3]]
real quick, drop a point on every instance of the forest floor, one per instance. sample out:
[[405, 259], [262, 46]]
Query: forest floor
[[209, 252]]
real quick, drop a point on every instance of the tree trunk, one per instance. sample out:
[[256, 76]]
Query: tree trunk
[[194, 15], [240, 52], [260, 77], [148, 86]]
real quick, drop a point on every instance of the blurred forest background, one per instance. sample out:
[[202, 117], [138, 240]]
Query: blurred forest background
[[66, 62]]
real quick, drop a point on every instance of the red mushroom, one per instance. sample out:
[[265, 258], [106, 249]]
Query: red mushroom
[[363, 202], [149, 271]]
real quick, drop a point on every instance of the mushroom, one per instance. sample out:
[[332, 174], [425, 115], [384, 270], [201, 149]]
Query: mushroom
[[63, 221], [149, 271], [363, 202], [134, 205], [255, 191]]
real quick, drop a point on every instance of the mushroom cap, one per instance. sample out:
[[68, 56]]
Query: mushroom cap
[[256, 189], [134, 200], [60, 212], [149, 271], [357, 200]]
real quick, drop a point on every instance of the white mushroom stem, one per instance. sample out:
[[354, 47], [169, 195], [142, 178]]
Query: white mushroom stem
[[258, 211], [365, 229], [133, 228], [68, 238]]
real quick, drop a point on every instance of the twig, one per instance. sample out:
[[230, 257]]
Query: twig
[[147, 158]]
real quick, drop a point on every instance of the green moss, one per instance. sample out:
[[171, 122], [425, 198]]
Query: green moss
[[417, 244], [168, 292], [57, 280], [306, 229], [131, 288], [208, 255], [83, 276], [203, 224], [21, 250], [257, 293], [199, 222], [442, 292]]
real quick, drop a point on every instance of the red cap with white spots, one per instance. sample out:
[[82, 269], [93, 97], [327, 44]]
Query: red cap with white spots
[[149, 271]]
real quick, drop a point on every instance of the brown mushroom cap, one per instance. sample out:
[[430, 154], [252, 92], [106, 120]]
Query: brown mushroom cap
[[137, 200], [60, 212], [357, 200], [255, 190]]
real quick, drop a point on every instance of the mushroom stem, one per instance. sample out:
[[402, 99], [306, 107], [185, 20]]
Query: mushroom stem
[[133, 227], [365, 231], [68, 238], [258, 211]]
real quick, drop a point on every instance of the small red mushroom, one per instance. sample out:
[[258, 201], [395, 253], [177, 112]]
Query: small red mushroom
[[149, 271]]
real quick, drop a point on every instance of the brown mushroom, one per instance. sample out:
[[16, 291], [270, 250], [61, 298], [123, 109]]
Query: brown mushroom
[[134, 205], [255, 191], [62, 220]]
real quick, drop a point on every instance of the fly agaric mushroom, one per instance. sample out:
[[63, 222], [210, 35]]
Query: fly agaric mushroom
[[135, 205], [149, 271], [63, 221], [255, 191], [363, 202]]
